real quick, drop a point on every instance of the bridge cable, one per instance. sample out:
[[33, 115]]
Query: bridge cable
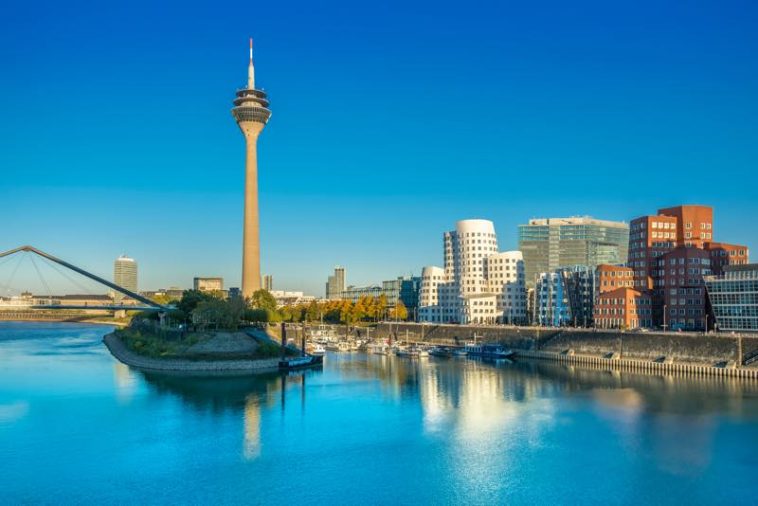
[[8, 259], [41, 278], [9, 284], [84, 289]]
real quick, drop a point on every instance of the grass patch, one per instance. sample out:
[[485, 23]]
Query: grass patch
[[149, 345], [155, 346]]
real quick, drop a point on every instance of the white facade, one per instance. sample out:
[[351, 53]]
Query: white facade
[[477, 284], [124, 275], [505, 272], [286, 298]]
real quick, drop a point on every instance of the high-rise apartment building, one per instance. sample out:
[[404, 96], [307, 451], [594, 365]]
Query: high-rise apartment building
[[268, 282], [552, 243], [335, 284], [478, 284], [669, 253], [251, 113], [124, 275]]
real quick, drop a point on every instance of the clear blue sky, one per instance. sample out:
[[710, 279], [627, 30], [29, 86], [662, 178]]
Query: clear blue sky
[[391, 121]]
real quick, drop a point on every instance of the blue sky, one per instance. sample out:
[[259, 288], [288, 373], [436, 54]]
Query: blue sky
[[391, 121]]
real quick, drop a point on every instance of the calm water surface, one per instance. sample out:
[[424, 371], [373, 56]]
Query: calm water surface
[[76, 426]]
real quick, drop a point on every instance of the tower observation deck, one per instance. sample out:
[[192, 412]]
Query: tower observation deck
[[251, 113]]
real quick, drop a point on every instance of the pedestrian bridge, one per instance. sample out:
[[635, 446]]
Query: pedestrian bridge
[[145, 304]]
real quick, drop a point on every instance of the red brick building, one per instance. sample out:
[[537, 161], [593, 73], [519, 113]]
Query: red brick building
[[723, 254], [694, 224], [684, 304], [683, 235], [623, 308], [610, 277]]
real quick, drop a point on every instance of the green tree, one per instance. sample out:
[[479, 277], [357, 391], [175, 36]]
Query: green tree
[[313, 312], [163, 299], [255, 315], [209, 313], [190, 299], [219, 313], [262, 299]]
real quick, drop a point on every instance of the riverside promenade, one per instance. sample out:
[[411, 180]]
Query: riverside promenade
[[184, 366]]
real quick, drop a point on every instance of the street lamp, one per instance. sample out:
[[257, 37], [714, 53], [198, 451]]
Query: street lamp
[[664, 317]]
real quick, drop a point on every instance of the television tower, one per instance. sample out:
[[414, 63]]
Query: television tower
[[251, 113]]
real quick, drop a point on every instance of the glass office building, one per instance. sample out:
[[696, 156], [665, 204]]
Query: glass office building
[[733, 296], [552, 243]]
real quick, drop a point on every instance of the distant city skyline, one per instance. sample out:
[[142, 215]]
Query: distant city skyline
[[588, 110]]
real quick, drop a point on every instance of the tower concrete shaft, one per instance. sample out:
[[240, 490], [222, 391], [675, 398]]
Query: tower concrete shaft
[[251, 113]]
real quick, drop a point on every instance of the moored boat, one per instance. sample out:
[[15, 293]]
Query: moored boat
[[317, 350], [377, 349], [289, 364], [413, 352], [440, 351], [492, 351]]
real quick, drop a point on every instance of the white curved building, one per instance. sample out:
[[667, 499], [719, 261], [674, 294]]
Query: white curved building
[[477, 284]]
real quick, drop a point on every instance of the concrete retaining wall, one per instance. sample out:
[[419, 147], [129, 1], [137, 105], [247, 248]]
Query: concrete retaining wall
[[645, 366], [128, 357], [694, 348]]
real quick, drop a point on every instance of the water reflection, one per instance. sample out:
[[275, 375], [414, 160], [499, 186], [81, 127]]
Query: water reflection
[[248, 395], [393, 430], [473, 405], [125, 380]]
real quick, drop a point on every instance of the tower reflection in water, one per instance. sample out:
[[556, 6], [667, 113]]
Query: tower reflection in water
[[248, 395]]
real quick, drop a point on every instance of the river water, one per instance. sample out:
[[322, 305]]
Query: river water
[[76, 426]]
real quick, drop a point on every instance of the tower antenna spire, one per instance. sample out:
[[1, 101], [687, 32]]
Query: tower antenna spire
[[250, 69]]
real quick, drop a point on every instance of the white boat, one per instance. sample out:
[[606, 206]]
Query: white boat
[[413, 352], [377, 349], [401, 351], [341, 346], [317, 350]]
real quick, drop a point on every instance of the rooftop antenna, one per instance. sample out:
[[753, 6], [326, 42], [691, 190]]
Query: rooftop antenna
[[250, 69]]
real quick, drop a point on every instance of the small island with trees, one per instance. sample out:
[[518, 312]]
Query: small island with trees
[[206, 332]]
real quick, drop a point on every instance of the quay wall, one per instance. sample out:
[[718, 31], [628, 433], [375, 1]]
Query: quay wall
[[643, 366], [680, 347], [188, 367]]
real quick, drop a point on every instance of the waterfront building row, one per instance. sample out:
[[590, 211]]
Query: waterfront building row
[[657, 279]]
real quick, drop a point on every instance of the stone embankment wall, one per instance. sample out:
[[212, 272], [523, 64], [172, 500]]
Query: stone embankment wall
[[694, 348], [128, 357]]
